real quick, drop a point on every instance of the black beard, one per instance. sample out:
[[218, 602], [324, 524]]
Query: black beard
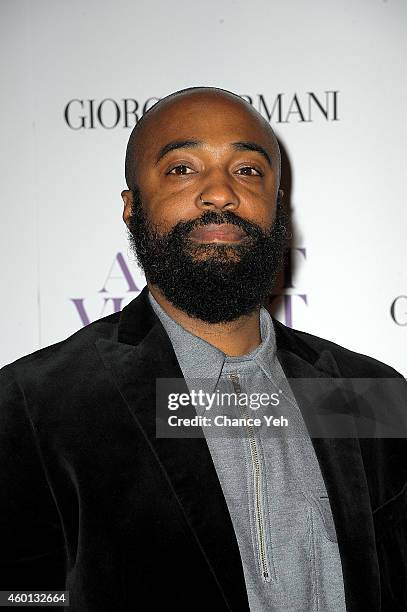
[[212, 282]]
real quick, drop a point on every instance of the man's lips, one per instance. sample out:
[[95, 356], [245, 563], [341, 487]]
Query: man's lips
[[226, 232]]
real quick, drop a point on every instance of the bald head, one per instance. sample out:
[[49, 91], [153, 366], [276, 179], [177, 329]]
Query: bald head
[[193, 106]]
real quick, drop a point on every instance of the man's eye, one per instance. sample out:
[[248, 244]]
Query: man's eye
[[181, 169], [249, 171]]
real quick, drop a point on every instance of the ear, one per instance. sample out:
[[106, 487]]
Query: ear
[[127, 197], [280, 195]]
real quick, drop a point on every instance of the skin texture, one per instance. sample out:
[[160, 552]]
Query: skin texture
[[212, 175]]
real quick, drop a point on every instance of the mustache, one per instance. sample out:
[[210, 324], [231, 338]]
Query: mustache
[[183, 228]]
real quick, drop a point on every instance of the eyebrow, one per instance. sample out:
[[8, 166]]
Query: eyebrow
[[192, 144], [252, 146], [177, 144]]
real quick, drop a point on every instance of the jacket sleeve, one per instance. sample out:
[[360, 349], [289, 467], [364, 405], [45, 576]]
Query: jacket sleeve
[[32, 544]]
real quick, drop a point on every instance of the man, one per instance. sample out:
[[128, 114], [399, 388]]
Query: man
[[95, 501]]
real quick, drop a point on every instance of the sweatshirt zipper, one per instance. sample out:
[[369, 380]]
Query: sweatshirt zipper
[[257, 480]]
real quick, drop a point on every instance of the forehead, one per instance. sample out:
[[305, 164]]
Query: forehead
[[209, 117]]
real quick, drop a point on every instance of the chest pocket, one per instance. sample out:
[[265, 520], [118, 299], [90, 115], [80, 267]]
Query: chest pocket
[[324, 509]]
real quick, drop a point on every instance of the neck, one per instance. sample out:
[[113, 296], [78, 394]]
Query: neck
[[233, 338]]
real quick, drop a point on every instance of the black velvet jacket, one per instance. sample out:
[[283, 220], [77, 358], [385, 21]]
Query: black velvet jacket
[[93, 502]]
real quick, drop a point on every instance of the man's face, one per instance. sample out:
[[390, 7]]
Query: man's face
[[203, 221], [227, 175]]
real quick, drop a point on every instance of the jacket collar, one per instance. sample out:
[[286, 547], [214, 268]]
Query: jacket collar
[[142, 353]]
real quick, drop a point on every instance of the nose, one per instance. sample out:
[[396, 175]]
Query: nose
[[217, 193]]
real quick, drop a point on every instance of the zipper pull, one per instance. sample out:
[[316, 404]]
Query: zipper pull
[[235, 380]]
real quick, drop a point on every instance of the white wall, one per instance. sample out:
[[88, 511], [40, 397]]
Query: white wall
[[60, 190]]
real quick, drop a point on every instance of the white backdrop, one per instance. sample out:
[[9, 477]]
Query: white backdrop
[[331, 73]]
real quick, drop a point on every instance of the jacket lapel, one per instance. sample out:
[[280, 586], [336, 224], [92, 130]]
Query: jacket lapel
[[342, 469], [142, 354]]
